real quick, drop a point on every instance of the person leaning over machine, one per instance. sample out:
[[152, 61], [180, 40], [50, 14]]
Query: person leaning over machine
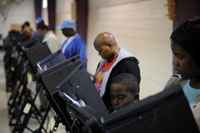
[[115, 60], [48, 36], [73, 45], [26, 31]]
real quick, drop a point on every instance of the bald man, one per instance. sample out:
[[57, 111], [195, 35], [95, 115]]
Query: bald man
[[115, 60]]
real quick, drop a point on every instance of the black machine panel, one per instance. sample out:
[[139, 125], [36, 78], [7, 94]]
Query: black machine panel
[[167, 112], [52, 60], [56, 74], [36, 53], [80, 87]]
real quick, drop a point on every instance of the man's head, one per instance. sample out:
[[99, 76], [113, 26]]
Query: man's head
[[39, 21], [68, 28], [124, 90], [106, 44], [185, 42], [42, 29], [25, 25], [26, 30]]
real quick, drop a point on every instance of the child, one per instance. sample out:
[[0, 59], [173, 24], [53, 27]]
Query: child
[[186, 62], [124, 90]]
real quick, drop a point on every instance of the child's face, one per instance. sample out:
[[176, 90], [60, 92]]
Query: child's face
[[182, 62], [120, 96]]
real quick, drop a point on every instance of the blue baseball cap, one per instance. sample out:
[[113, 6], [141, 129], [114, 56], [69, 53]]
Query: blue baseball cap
[[67, 24], [39, 20]]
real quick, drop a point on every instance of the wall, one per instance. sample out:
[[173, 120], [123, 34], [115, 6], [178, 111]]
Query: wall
[[18, 13], [142, 27], [64, 11]]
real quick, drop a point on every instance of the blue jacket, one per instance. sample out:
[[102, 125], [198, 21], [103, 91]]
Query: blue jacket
[[75, 46]]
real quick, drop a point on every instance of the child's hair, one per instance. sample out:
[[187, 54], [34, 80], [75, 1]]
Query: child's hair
[[187, 36], [129, 81]]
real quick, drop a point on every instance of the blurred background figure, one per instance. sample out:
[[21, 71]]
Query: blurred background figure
[[26, 31], [48, 36], [73, 45]]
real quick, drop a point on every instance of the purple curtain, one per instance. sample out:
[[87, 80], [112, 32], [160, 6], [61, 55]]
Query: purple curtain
[[82, 17], [52, 14]]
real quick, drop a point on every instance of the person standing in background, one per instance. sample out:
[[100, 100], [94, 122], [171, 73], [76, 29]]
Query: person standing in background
[[48, 37], [73, 45], [26, 31]]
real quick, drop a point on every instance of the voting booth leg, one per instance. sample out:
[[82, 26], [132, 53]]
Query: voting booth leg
[[27, 111], [17, 97], [39, 130]]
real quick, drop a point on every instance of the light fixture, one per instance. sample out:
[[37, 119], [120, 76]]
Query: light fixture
[[44, 3]]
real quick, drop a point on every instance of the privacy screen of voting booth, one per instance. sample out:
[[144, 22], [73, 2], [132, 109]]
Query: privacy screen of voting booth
[[167, 112], [51, 76], [78, 95], [52, 60], [36, 52], [68, 79]]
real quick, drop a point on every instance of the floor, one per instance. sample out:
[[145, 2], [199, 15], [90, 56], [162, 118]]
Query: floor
[[4, 128]]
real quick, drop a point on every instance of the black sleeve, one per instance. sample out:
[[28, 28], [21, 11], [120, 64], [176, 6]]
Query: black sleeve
[[131, 66], [128, 65]]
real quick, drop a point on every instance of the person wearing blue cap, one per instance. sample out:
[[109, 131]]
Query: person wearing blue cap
[[36, 35], [73, 45], [39, 21]]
